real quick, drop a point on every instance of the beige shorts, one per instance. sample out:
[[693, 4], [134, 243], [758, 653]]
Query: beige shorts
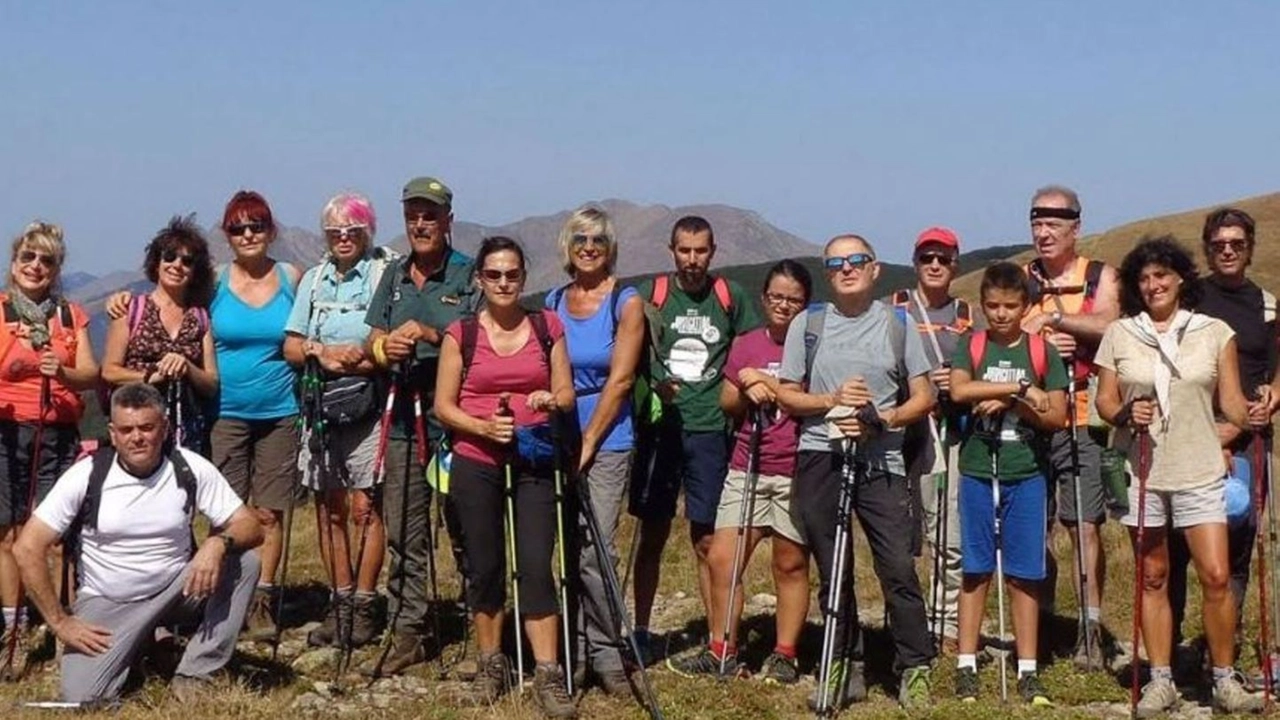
[[1202, 505], [771, 507]]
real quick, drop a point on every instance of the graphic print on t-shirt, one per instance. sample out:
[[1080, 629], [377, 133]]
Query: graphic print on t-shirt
[[690, 354], [1003, 372]]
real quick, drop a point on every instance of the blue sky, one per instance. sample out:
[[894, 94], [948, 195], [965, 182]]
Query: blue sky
[[881, 118]]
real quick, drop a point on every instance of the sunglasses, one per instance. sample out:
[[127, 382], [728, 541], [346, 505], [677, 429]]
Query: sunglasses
[[1219, 246], [26, 257], [355, 232], [498, 275], [783, 300], [857, 261], [188, 260], [257, 227], [581, 241], [930, 258]]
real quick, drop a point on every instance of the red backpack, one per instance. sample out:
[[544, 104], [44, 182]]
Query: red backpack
[[1036, 346]]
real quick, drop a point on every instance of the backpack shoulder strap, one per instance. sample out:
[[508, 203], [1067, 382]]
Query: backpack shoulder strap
[[10, 312], [65, 316], [102, 461], [815, 316], [470, 336], [202, 318], [897, 338], [137, 309], [1092, 278], [1034, 271], [553, 298], [538, 320], [720, 287], [1039, 351], [615, 296], [977, 350], [186, 478], [661, 287]]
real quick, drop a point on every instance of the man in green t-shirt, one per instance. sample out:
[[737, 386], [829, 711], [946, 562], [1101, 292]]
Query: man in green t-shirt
[[689, 446]]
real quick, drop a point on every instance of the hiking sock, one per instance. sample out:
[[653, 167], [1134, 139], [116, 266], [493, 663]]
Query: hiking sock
[[1222, 672], [10, 617], [268, 588], [343, 592], [1026, 667], [721, 649], [1094, 614], [967, 660], [786, 651], [1163, 672], [366, 594]]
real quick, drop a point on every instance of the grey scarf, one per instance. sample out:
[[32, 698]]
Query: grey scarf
[[36, 315]]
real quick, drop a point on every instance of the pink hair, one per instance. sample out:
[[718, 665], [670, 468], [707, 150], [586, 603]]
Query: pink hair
[[352, 207]]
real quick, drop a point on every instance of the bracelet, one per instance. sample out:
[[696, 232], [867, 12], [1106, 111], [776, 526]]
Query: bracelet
[[379, 351]]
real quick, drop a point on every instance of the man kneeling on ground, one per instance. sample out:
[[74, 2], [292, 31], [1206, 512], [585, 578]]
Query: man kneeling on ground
[[138, 564]]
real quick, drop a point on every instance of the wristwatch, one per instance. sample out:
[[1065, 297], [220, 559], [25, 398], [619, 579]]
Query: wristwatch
[[1023, 386], [1055, 319]]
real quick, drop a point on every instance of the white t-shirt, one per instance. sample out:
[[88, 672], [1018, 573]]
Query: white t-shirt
[[143, 538]]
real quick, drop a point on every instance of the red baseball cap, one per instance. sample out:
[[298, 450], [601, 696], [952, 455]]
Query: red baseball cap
[[939, 235]]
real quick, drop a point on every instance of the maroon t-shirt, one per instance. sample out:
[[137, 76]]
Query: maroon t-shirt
[[781, 433], [490, 375]]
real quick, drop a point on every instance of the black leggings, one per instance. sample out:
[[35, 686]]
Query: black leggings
[[478, 495]]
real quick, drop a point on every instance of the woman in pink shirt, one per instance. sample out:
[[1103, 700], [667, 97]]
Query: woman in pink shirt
[[500, 377]]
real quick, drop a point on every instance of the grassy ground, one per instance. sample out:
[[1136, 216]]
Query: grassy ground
[[263, 689]]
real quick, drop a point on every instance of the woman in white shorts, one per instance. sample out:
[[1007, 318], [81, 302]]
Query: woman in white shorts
[[747, 396], [1159, 369]]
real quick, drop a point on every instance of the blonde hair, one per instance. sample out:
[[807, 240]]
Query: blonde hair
[[43, 237], [587, 221], [353, 208]]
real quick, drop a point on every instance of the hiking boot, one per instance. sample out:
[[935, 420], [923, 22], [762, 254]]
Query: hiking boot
[[966, 684], [1090, 656], [705, 662], [492, 681], [1158, 697], [335, 623], [779, 669], [260, 623], [845, 686], [1032, 690], [189, 690], [364, 620], [1229, 696], [551, 694], [913, 691], [406, 651], [614, 682], [12, 668], [644, 641]]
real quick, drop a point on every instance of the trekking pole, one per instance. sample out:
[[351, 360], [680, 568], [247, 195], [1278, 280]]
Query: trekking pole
[[1144, 469], [942, 509], [420, 432], [1272, 534], [504, 409], [379, 478], [560, 547], [311, 387], [1081, 556], [616, 597], [33, 482], [999, 538], [844, 516], [1259, 488], [744, 516]]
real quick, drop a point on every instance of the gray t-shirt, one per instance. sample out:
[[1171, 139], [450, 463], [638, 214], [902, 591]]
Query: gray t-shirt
[[946, 325], [852, 346]]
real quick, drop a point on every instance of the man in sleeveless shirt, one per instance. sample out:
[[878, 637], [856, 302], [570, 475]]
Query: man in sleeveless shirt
[[940, 320], [1072, 309]]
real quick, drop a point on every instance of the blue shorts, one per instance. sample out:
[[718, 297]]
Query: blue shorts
[[668, 458], [1024, 516]]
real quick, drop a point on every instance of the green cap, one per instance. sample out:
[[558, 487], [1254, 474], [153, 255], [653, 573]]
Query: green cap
[[428, 188]]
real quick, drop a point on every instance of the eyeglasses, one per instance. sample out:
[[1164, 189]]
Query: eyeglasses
[[1220, 246], [499, 275], [930, 258], [857, 261], [429, 216], [581, 241], [26, 257], [783, 300], [257, 227], [355, 232], [188, 260]]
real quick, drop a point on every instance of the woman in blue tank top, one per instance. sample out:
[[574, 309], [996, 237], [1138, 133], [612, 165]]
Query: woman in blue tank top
[[255, 439], [604, 330]]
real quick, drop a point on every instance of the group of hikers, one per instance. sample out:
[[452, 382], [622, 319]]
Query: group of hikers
[[385, 383]]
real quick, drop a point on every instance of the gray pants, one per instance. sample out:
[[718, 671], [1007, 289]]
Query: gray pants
[[132, 624], [952, 575], [599, 641], [406, 513]]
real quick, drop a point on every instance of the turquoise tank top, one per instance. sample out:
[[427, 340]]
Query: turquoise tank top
[[255, 381]]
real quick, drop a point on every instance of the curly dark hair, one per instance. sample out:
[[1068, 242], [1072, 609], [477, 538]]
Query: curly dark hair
[[183, 235], [1166, 252]]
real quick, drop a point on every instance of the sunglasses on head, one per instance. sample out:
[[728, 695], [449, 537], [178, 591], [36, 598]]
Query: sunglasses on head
[[496, 275], [342, 233], [594, 240], [188, 260], [929, 258], [28, 256], [857, 261], [257, 227]]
